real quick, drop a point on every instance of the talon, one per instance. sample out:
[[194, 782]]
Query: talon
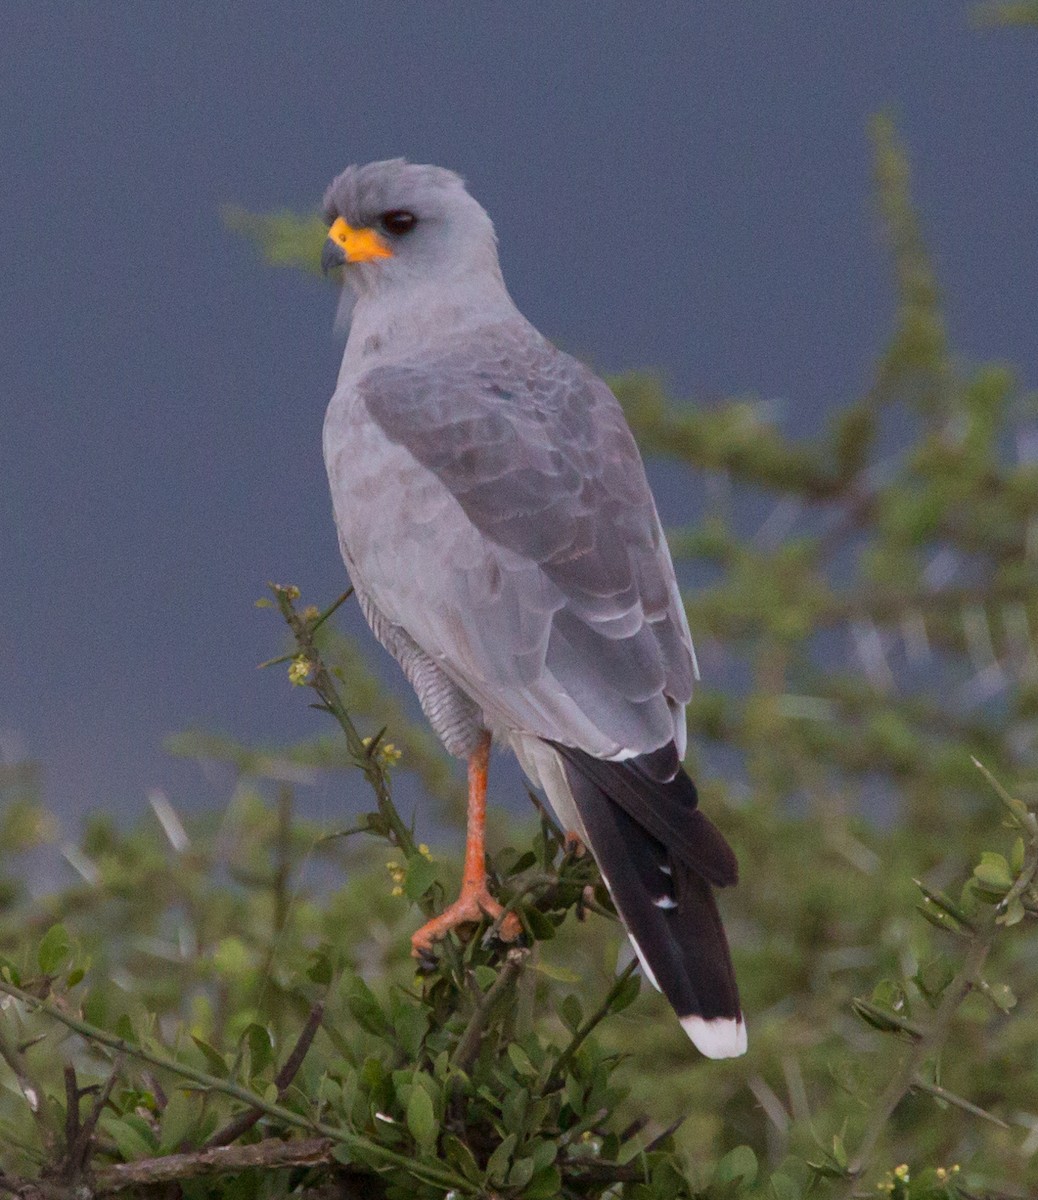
[[426, 960]]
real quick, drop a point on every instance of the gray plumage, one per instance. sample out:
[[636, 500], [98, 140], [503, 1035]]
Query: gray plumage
[[494, 513]]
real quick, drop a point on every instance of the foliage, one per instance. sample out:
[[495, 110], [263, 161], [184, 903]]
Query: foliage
[[1022, 12], [228, 1036], [197, 981]]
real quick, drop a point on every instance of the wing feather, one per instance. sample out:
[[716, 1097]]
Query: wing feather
[[495, 506]]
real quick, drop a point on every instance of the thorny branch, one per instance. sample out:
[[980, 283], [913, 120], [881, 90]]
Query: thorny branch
[[322, 682]]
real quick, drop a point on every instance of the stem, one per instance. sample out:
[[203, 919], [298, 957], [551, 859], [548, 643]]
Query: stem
[[235, 1128], [468, 1045], [271, 1154], [933, 1038], [600, 1013], [324, 685]]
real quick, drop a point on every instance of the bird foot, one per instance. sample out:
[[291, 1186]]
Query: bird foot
[[471, 907]]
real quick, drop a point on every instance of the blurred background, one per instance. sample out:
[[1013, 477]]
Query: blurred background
[[688, 193]]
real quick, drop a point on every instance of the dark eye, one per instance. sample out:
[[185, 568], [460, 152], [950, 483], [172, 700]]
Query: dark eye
[[398, 221]]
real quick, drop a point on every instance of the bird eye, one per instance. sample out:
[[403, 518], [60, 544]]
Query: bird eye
[[398, 221]]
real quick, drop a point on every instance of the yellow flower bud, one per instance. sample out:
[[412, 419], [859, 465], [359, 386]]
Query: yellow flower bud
[[299, 672]]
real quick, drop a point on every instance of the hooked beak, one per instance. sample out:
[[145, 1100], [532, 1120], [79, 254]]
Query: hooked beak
[[345, 244], [332, 256]]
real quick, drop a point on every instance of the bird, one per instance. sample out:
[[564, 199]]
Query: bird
[[499, 531]]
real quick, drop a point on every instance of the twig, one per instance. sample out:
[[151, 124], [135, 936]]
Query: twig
[[78, 1154], [933, 1037], [71, 1112], [600, 1013], [322, 683], [371, 1151], [270, 1154], [934, 1089], [244, 1121], [319, 621], [468, 1046]]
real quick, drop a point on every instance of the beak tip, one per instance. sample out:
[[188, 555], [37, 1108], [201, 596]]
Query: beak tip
[[332, 256]]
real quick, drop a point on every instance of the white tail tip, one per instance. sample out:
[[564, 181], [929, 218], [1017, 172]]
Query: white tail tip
[[722, 1037]]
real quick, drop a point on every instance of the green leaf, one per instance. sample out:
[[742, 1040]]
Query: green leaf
[[410, 1023], [1001, 995], [546, 1184], [422, 873], [521, 1173], [128, 1137], [542, 1152], [541, 925], [484, 975], [286, 239], [366, 1010], [54, 950], [1014, 913], [214, 1060], [783, 1188], [497, 1164], [520, 1060], [993, 871], [261, 1046], [939, 919], [740, 1163], [627, 993], [571, 1013], [940, 904], [320, 969], [460, 1156], [178, 1119], [421, 1120], [882, 1020]]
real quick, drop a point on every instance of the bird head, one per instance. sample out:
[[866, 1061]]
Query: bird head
[[396, 224]]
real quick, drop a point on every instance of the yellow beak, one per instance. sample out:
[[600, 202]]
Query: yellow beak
[[346, 244]]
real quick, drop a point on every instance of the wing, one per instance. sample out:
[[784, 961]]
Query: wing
[[505, 521]]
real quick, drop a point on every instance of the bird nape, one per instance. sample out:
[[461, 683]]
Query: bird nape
[[498, 527]]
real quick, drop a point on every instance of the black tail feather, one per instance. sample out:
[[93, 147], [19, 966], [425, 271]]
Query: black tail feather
[[659, 855], [665, 804]]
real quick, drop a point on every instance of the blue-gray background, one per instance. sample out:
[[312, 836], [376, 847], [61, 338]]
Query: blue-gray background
[[682, 186]]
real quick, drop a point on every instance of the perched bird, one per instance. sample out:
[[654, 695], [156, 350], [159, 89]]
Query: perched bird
[[497, 525]]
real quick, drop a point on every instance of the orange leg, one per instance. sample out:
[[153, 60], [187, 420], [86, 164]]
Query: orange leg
[[572, 845], [475, 901]]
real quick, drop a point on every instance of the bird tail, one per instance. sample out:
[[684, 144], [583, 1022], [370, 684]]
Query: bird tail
[[661, 858]]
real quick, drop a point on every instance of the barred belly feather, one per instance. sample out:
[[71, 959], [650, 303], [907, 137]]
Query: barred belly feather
[[456, 719]]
